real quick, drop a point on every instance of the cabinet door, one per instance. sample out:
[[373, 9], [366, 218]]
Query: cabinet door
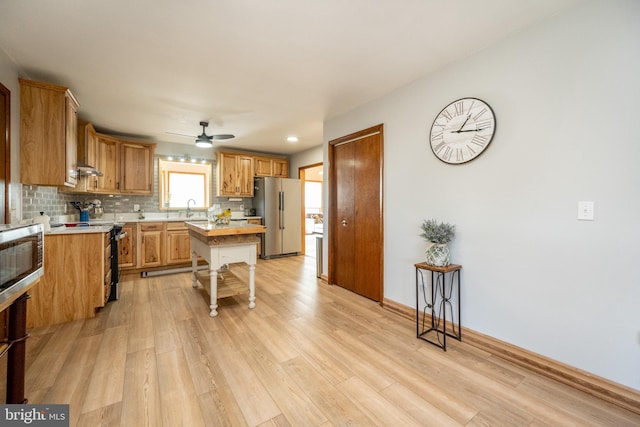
[[107, 157], [43, 132], [245, 176], [151, 244], [227, 175], [71, 140], [151, 248], [262, 166], [178, 246], [127, 247], [136, 168], [280, 168], [87, 148]]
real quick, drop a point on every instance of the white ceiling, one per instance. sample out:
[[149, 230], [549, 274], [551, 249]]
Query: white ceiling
[[261, 70]]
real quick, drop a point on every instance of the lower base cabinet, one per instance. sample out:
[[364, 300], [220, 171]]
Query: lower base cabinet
[[151, 244], [178, 249], [73, 286]]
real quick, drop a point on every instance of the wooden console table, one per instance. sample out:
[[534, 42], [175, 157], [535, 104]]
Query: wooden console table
[[438, 298]]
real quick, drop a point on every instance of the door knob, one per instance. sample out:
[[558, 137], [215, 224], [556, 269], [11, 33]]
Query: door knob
[[344, 222]]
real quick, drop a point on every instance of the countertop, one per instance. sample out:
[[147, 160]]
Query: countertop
[[103, 228], [205, 229]]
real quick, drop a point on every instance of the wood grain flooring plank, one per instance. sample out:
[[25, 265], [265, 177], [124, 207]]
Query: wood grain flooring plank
[[288, 396], [496, 400], [576, 402], [108, 416], [374, 404], [421, 410], [179, 403], [44, 369], [141, 392], [254, 400], [165, 334], [72, 382], [328, 398], [107, 377], [141, 331]]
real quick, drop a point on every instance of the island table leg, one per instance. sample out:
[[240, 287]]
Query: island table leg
[[213, 291], [194, 268], [252, 285]]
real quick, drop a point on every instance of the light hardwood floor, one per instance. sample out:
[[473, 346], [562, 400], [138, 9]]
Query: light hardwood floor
[[309, 354]]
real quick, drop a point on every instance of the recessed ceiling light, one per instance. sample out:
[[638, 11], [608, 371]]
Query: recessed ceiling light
[[292, 139]]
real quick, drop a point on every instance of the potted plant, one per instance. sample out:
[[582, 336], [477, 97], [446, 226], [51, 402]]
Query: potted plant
[[438, 235]]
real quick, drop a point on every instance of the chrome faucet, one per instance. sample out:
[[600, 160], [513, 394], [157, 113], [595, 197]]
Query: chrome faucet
[[188, 208]]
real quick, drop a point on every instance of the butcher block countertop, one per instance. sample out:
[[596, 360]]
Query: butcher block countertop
[[205, 229]]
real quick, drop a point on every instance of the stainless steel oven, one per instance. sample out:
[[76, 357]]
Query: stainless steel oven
[[21, 258]]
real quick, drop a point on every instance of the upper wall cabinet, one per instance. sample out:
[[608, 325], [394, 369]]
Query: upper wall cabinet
[[136, 167], [234, 174], [126, 166], [48, 134], [271, 166]]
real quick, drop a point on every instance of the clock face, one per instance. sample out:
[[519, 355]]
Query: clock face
[[462, 130]]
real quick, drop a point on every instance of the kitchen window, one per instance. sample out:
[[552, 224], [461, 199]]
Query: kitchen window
[[182, 180]]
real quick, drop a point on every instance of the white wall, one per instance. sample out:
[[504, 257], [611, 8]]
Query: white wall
[[304, 158], [9, 78], [566, 94]]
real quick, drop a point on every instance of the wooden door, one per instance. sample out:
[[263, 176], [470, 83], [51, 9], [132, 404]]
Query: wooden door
[[355, 213]]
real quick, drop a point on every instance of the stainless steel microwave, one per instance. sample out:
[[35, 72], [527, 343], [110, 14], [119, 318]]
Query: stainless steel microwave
[[21, 257]]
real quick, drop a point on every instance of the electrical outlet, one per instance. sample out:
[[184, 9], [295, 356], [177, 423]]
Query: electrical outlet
[[585, 211], [136, 208]]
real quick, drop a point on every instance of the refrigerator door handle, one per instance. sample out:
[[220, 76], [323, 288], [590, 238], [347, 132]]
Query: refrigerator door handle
[[281, 195]]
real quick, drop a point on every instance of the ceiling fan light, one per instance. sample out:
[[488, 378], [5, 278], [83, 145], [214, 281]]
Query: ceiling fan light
[[203, 143]]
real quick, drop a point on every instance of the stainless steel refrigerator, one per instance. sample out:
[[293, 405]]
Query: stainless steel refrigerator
[[279, 202]]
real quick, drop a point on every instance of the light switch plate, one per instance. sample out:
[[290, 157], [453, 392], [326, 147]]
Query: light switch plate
[[585, 211]]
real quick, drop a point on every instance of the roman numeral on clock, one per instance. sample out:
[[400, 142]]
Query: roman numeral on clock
[[480, 140], [439, 147], [459, 106]]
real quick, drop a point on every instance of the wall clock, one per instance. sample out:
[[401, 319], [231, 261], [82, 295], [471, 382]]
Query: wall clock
[[462, 130]]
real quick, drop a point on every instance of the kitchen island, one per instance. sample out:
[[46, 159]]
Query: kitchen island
[[221, 245]]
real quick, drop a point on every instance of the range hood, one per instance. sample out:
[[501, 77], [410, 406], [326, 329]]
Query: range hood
[[87, 170]]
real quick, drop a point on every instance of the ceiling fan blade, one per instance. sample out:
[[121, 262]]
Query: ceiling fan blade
[[181, 134], [223, 136]]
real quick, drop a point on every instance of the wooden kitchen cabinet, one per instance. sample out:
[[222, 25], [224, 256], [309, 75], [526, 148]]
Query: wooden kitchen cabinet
[[271, 166], [136, 167], [87, 150], [48, 134], [280, 168], [126, 167], [108, 163], [151, 244], [127, 246], [73, 285], [256, 221], [234, 174], [178, 243]]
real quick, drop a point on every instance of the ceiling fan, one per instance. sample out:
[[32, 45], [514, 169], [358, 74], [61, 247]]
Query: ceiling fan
[[203, 140]]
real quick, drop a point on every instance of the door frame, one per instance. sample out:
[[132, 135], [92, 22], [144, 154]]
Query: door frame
[[332, 214], [302, 176]]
